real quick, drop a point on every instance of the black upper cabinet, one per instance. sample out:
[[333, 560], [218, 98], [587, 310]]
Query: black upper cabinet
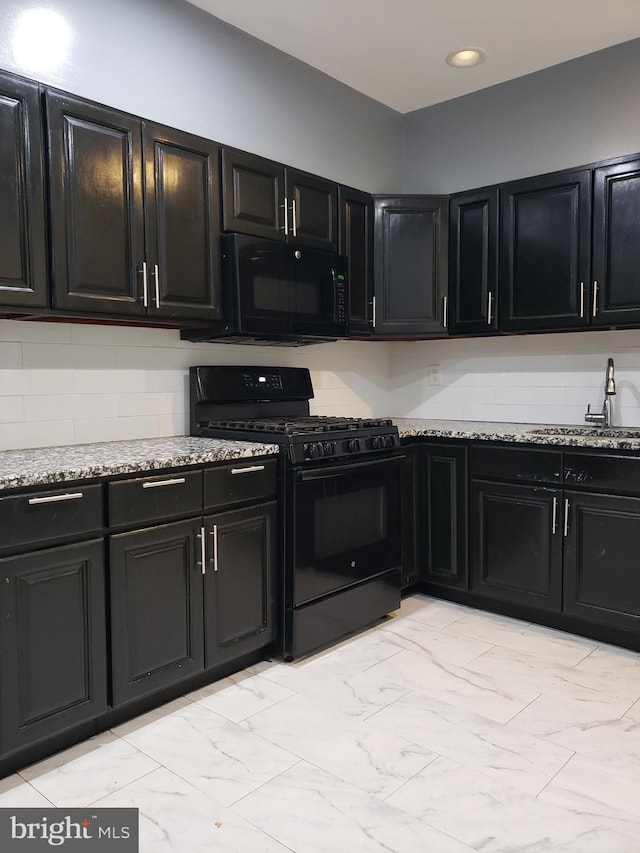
[[616, 244], [356, 244], [182, 224], [410, 265], [473, 262], [253, 195], [267, 199], [97, 223], [546, 230], [314, 207], [23, 272], [123, 243]]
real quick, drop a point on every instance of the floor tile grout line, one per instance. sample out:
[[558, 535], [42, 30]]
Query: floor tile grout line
[[559, 770]]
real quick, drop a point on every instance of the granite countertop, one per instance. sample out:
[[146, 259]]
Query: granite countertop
[[44, 465], [617, 438]]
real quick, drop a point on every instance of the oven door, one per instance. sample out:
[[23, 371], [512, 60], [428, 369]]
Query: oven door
[[288, 291], [346, 526]]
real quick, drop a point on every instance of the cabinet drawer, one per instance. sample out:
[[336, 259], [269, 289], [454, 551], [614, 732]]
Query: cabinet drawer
[[45, 517], [243, 481], [617, 474], [521, 465], [151, 498]]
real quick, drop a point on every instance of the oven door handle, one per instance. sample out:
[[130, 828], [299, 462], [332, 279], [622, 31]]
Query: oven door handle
[[349, 468]]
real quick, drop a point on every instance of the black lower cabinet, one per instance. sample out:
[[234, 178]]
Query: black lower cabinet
[[156, 608], [601, 570], [239, 594], [411, 514], [53, 673], [516, 543], [444, 514]]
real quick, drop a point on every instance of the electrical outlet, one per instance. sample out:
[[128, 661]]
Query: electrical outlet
[[434, 374]]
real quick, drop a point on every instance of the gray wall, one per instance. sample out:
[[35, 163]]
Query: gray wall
[[169, 61], [572, 114]]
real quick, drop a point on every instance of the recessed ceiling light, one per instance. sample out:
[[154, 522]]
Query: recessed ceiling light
[[466, 57]]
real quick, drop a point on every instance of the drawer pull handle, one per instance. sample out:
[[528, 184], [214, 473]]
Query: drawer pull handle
[[154, 484], [249, 470], [202, 562], [54, 499]]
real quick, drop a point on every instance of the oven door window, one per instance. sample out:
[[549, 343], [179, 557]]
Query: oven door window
[[347, 526]]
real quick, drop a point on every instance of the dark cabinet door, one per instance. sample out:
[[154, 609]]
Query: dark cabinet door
[[97, 227], [253, 191], [356, 244], [53, 673], [601, 576], [516, 544], [156, 608], [411, 514], [23, 274], [546, 244], [410, 265], [444, 514], [616, 244], [313, 211], [473, 262], [182, 224], [239, 591]]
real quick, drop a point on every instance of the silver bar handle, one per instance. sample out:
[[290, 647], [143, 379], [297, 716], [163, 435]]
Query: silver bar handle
[[145, 285], [54, 499], [373, 320], [490, 309], [202, 562], [595, 298], [445, 313], [286, 216], [248, 470], [566, 516], [582, 298], [157, 278], [554, 520], [214, 533], [156, 484], [294, 225]]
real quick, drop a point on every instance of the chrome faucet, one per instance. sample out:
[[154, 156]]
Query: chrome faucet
[[605, 417]]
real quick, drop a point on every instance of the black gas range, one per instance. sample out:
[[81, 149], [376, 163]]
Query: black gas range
[[339, 504]]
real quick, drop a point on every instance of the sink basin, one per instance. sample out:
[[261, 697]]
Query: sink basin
[[589, 432]]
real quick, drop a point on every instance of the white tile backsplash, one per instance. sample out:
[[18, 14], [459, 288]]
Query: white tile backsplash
[[532, 378], [72, 383]]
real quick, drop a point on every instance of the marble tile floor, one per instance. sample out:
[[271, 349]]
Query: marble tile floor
[[442, 729]]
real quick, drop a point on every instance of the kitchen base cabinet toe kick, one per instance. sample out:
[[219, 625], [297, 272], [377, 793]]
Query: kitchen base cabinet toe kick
[[117, 597]]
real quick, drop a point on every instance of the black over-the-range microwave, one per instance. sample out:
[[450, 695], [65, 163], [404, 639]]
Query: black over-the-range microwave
[[276, 292]]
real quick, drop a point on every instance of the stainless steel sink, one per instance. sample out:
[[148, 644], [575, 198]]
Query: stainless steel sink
[[590, 432]]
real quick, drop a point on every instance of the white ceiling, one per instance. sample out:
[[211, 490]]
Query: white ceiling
[[394, 50]]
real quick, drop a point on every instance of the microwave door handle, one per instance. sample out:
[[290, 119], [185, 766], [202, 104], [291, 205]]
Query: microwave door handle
[[334, 293]]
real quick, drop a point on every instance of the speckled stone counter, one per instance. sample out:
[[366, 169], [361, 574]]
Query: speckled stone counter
[[578, 436], [45, 465]]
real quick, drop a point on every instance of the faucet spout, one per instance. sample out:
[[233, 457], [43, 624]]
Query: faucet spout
[[604, 418]]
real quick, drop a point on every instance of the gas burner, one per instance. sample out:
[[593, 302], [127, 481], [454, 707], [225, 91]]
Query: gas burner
[[301, 425]]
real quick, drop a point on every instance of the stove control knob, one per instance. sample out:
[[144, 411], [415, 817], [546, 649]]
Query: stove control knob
[[376, 443], [353, 445], [329, 448], [312, 451]]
